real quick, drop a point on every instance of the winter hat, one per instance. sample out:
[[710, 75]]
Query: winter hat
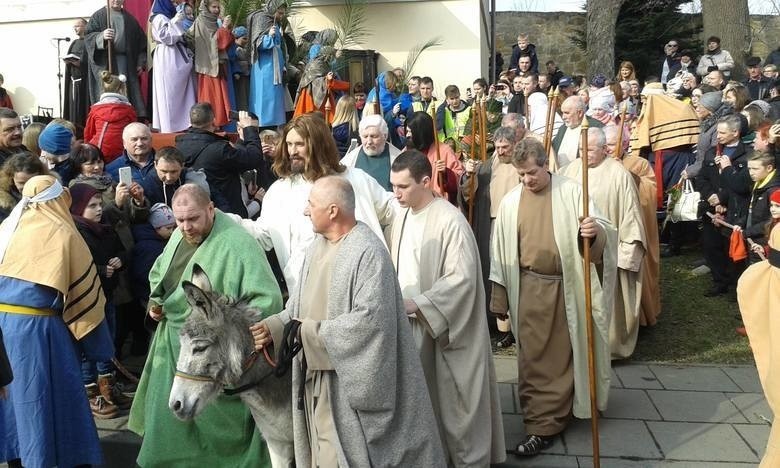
[[763, 105], [240, 31], [55, 139], [161, 215], [775, 197], [599, 81], [565, 82], [80, 194], [711, 101]]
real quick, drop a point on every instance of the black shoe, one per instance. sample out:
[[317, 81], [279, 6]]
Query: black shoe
[[505, 340], [533, 444], [716, 291]]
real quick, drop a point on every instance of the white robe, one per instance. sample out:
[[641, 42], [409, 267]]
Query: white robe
[[282, 226], [505, 270]]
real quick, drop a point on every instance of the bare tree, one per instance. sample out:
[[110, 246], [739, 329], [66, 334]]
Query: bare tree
[[729, 20], [600, 33]]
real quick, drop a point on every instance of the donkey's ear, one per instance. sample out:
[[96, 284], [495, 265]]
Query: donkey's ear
[[198, 299], [200, 279]]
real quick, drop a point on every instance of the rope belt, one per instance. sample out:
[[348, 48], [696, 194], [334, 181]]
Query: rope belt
[[541, 276], [24, 310]]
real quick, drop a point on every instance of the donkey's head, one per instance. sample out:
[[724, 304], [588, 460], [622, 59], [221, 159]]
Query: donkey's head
[[213, 348]]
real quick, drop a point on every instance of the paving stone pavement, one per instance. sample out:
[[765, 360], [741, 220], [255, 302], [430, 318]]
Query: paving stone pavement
[[668, 416]]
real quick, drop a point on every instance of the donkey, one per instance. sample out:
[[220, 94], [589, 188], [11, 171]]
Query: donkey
[[217, 352]]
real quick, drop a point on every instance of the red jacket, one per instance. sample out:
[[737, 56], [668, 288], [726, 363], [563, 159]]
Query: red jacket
[[105, 124]]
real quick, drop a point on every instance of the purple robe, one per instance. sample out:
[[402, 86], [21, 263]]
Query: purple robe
[[173, 80]]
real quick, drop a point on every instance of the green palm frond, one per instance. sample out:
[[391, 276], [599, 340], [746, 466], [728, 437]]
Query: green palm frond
[[239, 9], [416, 51], [350, 24]]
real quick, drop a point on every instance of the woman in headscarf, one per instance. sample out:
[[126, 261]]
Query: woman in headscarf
[[267, 92], [51, 294], [316, 91], [173, 82], [211, 43]]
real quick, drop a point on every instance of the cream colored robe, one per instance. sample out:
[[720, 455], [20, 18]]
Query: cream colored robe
[[614, 193], [455, 350], [505, 270], [758, 293]]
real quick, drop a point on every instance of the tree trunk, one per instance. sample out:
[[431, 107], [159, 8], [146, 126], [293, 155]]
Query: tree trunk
[[729, 20], [600, 35]]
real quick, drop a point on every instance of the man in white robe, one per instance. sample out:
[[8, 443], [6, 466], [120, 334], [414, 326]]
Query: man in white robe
[[538, 281], [307, 154], [566, 143], [364, 400], [614, 193], [437, 262]]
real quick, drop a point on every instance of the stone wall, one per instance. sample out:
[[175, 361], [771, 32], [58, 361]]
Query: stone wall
[[551, 32]]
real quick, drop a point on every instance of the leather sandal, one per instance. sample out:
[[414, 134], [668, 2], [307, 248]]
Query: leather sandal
[[533, 444]]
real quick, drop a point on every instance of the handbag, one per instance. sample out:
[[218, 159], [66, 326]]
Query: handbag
[[686, 207]]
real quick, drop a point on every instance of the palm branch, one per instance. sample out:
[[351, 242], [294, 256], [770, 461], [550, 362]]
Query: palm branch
[[350, 24], [416, 51]]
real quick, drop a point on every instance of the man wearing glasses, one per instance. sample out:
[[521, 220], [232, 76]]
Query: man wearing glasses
[[671, 61]]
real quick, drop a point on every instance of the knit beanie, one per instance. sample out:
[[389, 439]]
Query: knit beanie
[[161, 215], [80, 194], [711, 101], [763, 105], [55, 139], [239, 31]]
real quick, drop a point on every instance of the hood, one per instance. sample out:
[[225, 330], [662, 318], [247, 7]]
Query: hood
[[145, 232], [113, 111]]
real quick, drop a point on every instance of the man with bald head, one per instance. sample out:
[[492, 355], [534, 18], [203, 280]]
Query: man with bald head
[[375, 154], [361, 368], [236, 268], [566, 144], [614, 193], [138, 155]]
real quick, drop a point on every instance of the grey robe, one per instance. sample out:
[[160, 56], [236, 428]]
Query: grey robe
[[455, 349], [381, 409]]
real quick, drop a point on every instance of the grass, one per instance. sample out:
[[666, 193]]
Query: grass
[[691, 328]]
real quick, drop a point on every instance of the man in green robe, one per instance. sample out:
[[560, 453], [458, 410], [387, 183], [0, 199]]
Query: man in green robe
[[224, 434]]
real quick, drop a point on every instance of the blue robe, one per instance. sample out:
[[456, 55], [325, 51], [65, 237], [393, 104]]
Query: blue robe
[[266, 99], [46, 420]]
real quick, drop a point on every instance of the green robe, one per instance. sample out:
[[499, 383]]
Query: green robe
[[224, 433]]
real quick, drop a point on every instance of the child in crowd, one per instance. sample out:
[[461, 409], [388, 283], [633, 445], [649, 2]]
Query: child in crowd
[[359, 93], [345, 124], [239, 56], [150, 239], [766, 182], [30, 137], [211, 68], [105, 398], [109, 116], [189, 15], [451, 117]]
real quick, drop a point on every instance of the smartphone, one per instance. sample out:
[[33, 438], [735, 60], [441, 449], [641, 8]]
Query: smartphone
[[126, 176]]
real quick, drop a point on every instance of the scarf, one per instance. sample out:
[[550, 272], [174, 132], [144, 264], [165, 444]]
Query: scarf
[[163, 7], [39, 243], [204, 32]]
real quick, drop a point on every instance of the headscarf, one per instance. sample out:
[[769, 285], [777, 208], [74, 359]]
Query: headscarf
[[314, 75], [326, 37], [206, 52], [259, 23], [185, 23], [39, 243], [163, 7]]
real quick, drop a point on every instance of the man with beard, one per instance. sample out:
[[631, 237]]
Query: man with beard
[[74, 106], [127, 41], [375, 155], [715, 59], [10, 134], [308, 154], [566, 144]]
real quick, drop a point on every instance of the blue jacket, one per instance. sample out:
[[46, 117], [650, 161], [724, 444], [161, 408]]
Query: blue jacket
[[144, 175]]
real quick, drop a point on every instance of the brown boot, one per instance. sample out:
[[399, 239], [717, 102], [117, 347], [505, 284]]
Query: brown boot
[[110, 391], [101, 408]]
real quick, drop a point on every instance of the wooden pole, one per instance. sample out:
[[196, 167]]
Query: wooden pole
[[438, 175], [472, 150], [109, 43], [619, 148], [594, 412], [483, 132], [377, 107], [552, 107]]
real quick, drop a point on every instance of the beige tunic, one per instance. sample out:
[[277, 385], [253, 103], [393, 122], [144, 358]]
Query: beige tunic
[[614, 193]]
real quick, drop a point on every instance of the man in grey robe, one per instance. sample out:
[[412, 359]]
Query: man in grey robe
[[365, 401], [437, 262]]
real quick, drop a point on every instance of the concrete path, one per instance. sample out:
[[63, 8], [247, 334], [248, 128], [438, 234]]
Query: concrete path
[[687, 416]]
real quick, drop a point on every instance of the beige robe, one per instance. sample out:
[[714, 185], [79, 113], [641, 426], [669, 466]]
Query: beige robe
[[505, 270], [758, 293], [614, 193], [650, 305], [455, 349]]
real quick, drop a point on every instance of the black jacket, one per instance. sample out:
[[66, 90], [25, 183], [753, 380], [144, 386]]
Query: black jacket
[[758, 211], [732, 185], [759, 89], [222, 162], [529, 51], [103, 247]]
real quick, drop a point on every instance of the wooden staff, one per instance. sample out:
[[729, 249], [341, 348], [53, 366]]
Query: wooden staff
[[472, 150], [527, 112], [327, 99], [377, 107], [110, 42], [549, 120], [483, 132], [438, 176], [619, 148], [594, 412]]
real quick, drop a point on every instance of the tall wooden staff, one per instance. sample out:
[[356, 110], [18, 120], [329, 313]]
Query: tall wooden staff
[[483, 132], [438, 176], [552, 105], [619, 147], [377, 107], [527, 114], [594, 413], [472, 181], [110, 42]]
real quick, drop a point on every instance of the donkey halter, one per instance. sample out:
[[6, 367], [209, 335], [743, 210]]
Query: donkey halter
[[248, 363]]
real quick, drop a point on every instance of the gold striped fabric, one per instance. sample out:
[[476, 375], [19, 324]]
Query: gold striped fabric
[[664, 123]]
